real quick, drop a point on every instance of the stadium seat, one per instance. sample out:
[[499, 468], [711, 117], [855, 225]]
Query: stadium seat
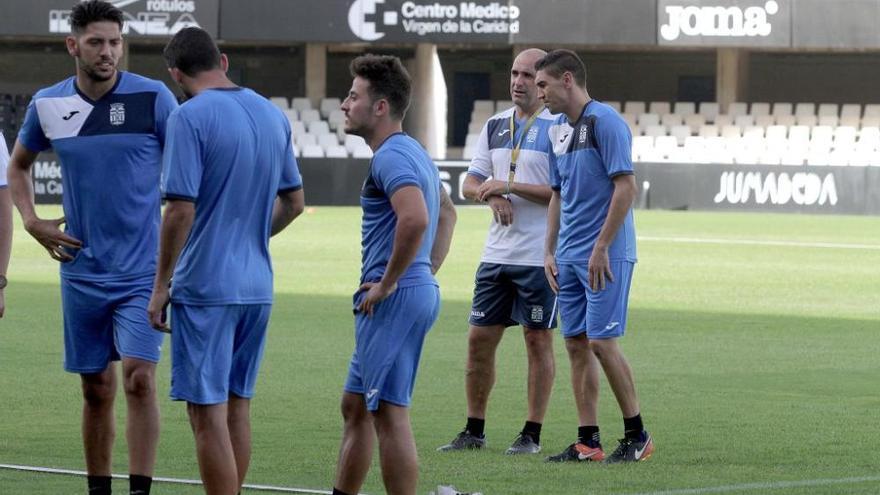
[[870, 135], [871, 120], [804, 108], [685, 108], [807, 119], [362, 151], [634, 107], [648, 119], [765, 120], [829, 120], [822, 133], [844, 138], [738, 108], [708, 131], [850, 120], [336, 119], [680, 133], [828, 109], [710, 110], [327, 140], [798, 135], [793, 157], [335, 151], [744, 120], [722, 120], [769, 158], [309, 115], [851, 110], [786, 120], [671, 119], [782, 109], [660, 107], [613, 104], [312, 151], [300, 104], [297, 128], [731, 131], [303, 140], [694, 121], [776, 133], [502, 105], [318, 127], [753, 131], [351, 142], [280, 102], [328, 105], [760, 108], [872, 110], [655, 130]]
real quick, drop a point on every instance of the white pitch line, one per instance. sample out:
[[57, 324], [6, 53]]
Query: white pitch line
[[753, 242], [778, 485], [264, 488]]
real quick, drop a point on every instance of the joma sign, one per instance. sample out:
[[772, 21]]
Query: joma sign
[[721, 24]]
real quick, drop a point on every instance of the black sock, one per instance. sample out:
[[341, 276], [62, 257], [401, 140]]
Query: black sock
[[99, 485], [533, 430], [633, 427], [475, 426], [337, 491], [589, 436], [139, 485]]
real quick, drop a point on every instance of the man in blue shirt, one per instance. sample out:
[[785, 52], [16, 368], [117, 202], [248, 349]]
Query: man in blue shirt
[[108, 129], [590, 250], [231, 181], [407, 227]]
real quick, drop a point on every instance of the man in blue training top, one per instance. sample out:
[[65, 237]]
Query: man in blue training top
[[108, 129], [590, 250], [407, 226], [231, 181]]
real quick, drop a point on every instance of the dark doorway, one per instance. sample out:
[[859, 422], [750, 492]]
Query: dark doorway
[[468, 86], [696, 88]]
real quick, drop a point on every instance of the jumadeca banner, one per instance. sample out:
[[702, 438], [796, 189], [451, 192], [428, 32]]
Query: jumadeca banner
[[143, 18]]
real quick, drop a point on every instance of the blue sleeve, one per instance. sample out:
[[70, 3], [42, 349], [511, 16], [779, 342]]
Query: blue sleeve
[[392, 170], [291, 179], [615, 145], [555, 180], [165, 104], [182, 161], [31, 134]]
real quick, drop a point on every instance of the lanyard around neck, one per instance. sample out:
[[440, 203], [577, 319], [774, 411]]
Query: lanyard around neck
[[514, 153]]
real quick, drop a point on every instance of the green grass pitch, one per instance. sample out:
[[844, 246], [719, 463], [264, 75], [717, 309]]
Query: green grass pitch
[[755, 363]]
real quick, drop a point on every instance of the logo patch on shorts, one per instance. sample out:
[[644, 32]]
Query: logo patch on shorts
[[478, 314], [537, 313]]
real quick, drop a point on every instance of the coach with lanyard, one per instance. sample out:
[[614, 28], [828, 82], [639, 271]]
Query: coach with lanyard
[[510, 173]]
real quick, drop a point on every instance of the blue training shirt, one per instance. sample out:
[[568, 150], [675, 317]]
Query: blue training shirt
[[586, 157], [111, 154], [229, 151], [400, 161]]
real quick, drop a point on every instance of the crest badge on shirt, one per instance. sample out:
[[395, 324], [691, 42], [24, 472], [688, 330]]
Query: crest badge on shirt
[[533, 135], [582, 137], [117, 113]]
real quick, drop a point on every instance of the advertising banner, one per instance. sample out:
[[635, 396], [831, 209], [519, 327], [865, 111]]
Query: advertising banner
[[849, 24], [143, 18], [759, 23], [665, 186]]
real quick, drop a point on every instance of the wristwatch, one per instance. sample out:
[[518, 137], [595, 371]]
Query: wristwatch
[[3, 282]]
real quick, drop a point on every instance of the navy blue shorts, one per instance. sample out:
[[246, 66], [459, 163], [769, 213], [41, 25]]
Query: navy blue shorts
[[512, 295]]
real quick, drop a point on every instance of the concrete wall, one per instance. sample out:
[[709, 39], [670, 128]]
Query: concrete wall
[[816, 77]]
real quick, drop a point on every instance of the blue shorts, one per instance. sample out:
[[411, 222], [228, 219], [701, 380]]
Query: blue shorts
[[216, 351], [104, 321], [512, 295], [388, 345], [601, 314]]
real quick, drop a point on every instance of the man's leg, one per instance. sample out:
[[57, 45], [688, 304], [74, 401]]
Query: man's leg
[[542, 370], [239, 422], [584, 378], [142, 420], [397, 450], [214, 448], [619, 374], [356, 450], [98, 424], [480, 369]]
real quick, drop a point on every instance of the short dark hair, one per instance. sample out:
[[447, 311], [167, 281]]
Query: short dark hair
[[388, 79], [85, 13], [192, 50], [558, 62]]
